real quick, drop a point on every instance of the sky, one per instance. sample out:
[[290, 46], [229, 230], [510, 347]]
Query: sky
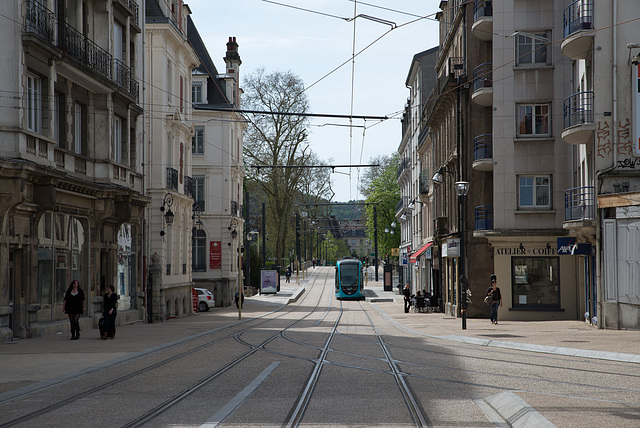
[[313, 44]]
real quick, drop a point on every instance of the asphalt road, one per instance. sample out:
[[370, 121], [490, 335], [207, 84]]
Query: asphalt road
[[316, 362]]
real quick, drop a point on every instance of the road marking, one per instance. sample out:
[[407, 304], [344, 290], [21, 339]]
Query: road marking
[[221, 414]]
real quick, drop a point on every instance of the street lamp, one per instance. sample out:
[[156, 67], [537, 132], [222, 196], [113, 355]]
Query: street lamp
[[167, 201], [197, 212], [462, 189]]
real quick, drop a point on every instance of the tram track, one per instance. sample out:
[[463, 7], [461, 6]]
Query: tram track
[[190, 389]]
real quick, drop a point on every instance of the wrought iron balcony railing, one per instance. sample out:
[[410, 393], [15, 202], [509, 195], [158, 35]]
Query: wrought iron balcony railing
[[482, 8], [577, 16], [578, 109], [484, 217], [85, 50], [579, 203], [172, 179], [40, 20], [188, 186], [483, 147], [482, 76]]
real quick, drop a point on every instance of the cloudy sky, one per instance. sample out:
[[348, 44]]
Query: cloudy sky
[[313, 40]]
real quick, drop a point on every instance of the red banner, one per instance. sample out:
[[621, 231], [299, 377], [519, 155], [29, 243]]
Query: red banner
[[215, 255]]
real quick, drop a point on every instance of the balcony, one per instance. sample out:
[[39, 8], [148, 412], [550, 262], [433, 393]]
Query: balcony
[[483, 19], [40, 21], [483, 152], [404, 164], [578, 29], [482, 85], [425, 182], [234, 208], [172, 179], [579, 123], [86, 52], [188, 186], [484, 217], [402, 205], [129, 7], [124, 78], [579, 207]]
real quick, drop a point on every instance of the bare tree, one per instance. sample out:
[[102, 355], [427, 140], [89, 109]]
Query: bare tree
[[277, 139]]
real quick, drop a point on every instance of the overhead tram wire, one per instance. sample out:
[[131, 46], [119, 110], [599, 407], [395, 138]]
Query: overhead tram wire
[[288, 113]]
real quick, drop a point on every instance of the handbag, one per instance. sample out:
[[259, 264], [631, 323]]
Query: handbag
[[101, 325], [487, 299]]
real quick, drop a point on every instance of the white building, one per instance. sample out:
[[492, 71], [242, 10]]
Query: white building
[[217, 172], [169, 61]]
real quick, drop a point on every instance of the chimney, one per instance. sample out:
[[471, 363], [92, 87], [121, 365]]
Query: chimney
[[232, 59]]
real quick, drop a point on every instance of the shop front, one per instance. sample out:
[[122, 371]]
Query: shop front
[[535, 281]]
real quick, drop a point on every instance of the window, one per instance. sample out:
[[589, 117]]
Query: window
[[169, 82], [534, 192], [117, 139], [531, 50], [536, 282], [34, 103], [533, 120], [196, 92], [198, 190], [197, 141], [198, 251]]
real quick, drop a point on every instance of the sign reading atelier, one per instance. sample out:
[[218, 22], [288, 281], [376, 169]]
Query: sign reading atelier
[[215, 255]]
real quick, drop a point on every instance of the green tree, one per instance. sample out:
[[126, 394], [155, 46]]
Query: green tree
[[384, 192]]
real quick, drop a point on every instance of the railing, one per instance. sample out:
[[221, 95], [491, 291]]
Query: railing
[[482, 8], [404, 202], [483, 147], [579, 203], [123, 76], [40, 20], [188, 186], [578, 109], [234, 208], [85, 50], [404, 164], [172, 179], [577, 16], [168, 269], [484, 217], [482, 76]]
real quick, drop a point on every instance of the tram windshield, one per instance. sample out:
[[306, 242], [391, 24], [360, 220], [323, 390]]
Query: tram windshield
[[349, 274]]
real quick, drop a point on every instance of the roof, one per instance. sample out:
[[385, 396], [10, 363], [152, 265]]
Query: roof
[[216, 94]]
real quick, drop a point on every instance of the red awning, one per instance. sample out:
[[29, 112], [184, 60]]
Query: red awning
[[414, 256]]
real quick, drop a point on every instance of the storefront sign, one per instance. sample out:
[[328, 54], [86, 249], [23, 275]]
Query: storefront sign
[[547, 250], [569, 247], [453, 247], [215, 255]]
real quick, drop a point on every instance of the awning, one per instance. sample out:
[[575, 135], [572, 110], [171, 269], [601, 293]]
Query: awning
[[414, 256]]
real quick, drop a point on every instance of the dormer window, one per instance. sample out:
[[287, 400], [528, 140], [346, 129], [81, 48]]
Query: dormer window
[[196, 93]]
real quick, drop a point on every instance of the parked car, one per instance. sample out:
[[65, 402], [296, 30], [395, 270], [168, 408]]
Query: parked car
[[205, 299]]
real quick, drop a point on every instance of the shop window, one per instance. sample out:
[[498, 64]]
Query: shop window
[[536, 282]]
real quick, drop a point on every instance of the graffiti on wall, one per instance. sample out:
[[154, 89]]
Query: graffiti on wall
[[624, 147]]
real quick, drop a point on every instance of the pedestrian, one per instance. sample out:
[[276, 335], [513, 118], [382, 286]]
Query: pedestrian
[[109, 312], [239, 298], [496, 299], [288, 275], [74, 305], [407, 298]]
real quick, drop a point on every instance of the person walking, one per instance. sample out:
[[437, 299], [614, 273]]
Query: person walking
[[239, 298], [74, 305], [109, 312], [407, 298], [496, 299], [288, 274]]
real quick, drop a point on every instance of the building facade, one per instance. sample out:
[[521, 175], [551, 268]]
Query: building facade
[[600, 125], [169, 62], [218, 172], [71, 175]]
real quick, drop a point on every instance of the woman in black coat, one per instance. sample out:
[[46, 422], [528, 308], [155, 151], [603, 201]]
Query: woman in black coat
[[109, 312], [74, 305]]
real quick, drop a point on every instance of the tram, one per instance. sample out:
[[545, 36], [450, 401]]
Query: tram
[[349, 279]]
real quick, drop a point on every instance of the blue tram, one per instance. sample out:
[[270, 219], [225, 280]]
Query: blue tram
[[349, 279]]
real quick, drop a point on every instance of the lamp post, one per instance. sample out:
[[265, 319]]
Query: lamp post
[[462, 189]]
